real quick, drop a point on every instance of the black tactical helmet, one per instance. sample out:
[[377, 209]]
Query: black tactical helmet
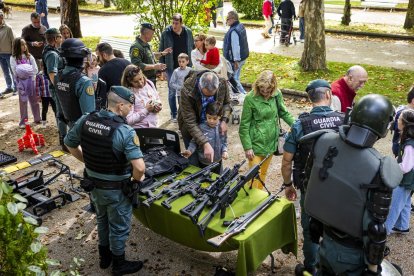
[[73, 48], [373, 112]]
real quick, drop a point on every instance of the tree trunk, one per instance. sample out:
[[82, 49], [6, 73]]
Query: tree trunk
[[314, 52], [409, 19], [69, 15], [346, 19], [107, 3]]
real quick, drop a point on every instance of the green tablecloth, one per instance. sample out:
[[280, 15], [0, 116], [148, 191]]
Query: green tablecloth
[[273, 229]]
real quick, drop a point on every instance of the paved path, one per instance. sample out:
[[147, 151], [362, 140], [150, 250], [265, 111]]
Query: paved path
[[397, 54]]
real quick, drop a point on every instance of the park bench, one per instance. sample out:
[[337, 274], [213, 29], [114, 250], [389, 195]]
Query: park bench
[[383, 4], [119, 44]]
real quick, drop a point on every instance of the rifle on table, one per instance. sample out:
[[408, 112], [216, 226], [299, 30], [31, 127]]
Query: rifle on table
[[240, 224], [228, 194], [192, 188], [209, 194], [178, 184], [150, 188]]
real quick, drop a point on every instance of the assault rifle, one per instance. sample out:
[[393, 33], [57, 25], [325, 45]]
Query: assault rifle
[[240, 224], [229, 193], [209, 194], [151, 187], [178, 184]]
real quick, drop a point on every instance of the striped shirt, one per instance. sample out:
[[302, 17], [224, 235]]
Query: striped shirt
[[42, 86]]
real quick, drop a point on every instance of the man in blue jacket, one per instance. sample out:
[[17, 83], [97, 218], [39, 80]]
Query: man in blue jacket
[[42, 10], [180, 39]]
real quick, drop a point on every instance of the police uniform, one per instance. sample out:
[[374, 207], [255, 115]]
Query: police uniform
[[52, 63], [141, 55], [349, 190], [320, 117], [73, 88], [108, 144]]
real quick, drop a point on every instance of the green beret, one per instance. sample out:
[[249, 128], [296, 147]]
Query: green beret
[[52, 31], [316, 84], [124, 93], [147, 25]]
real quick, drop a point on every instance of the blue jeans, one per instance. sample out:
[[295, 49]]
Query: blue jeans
[[310, 249], [5, 66], [172, 99], [273, 24], [399, 215], [237, 75], [302, 27], [43, 21], [113, 213]]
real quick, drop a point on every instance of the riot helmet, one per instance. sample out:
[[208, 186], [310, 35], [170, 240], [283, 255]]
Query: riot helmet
[[73, 48]]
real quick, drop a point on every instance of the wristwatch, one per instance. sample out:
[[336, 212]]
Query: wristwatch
[[288, 184]]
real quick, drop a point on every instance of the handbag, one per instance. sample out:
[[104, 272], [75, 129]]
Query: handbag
[[281, 139]]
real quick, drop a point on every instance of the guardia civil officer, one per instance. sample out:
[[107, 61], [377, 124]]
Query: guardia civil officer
[[110, 150], [52, 64], [349, 190], [295, 156], [142, 56], [74, 89]]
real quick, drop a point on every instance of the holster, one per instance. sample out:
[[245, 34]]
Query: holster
[[130, 190], [315, 229], [87, 184]]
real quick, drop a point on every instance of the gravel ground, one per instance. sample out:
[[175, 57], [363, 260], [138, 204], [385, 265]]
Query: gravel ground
[[72, 230]]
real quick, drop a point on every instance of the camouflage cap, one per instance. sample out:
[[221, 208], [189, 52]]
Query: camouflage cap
[[316, 84], [124, 93]]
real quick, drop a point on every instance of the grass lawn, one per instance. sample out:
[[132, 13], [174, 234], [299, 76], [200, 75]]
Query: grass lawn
[[85, 6], [390, 82]]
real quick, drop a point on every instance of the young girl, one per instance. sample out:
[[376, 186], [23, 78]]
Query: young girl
[[24, 69], [42, 91], [144, 114], [398, 219], [65, 32], [92, 69], [212, 58]]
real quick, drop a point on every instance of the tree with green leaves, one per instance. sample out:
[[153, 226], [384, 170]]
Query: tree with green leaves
[[314, 52], [409, 19], [159, 13], [251, 9], [346, 18]]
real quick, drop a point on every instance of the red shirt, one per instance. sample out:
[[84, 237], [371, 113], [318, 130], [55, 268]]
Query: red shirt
[[267, 9], [345, 94], [212, 57]]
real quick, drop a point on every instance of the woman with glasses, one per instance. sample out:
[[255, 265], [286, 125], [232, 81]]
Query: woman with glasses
[[147, 104], [259, 124]]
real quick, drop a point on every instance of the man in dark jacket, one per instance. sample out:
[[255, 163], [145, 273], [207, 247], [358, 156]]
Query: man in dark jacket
[[34, 35], [287, 13], [198, 90], [180, 39]]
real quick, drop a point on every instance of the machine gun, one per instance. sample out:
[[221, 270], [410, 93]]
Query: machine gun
[[229, 193], [151, 187], [209, 194], [178, 184], [239, 224]]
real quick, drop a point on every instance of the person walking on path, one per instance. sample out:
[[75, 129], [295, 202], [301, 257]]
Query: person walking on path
[[295, 157], [180, 39], [267, 14], [301, 16], [259, 124], [111, 153], [6, 48], [42, 10], [142, 56], [34, 35], [24, 69], [346, 87], [287, 13], [236, 47]]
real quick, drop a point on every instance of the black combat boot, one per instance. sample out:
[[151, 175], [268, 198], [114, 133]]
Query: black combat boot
[[120, 266], [105, 256]]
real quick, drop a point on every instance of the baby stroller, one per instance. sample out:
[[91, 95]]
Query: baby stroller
[[284, 32]]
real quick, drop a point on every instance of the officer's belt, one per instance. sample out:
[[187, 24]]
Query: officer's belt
[[109, 185], [344, 239]]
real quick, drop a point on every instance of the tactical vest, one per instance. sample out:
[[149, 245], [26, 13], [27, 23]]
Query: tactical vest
[[96, 142], [244, 46], [311, 123], [66, 92], [336, 192], [47, 49], [408, 178]]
